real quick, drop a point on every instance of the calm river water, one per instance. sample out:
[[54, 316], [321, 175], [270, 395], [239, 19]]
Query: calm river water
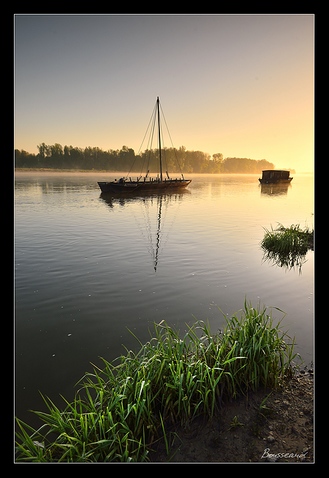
[[89, 268]]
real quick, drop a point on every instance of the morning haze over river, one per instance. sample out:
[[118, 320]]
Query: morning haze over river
[[88, 268]]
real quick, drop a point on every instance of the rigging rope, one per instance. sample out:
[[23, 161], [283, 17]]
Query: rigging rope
[[149, 152], [172, 145]]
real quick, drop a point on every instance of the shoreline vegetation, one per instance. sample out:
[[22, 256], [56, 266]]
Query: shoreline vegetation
[[72, 170], [126, 410], [174, 160]]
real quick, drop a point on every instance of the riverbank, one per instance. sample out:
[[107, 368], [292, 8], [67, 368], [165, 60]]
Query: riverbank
[[264, 426]]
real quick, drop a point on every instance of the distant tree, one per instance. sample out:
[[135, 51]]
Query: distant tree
[[174, 160], [44, 150], [245, 165], [217, 157], [23, 159], [56, 151], [126, 158], [217, 160]]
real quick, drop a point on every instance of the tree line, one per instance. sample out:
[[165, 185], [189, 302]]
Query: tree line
[[174, 160]]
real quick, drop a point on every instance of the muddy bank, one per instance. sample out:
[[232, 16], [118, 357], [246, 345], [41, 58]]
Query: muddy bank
[[265, 426]]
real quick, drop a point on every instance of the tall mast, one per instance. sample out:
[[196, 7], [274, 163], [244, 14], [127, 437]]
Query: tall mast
[[159, 138]]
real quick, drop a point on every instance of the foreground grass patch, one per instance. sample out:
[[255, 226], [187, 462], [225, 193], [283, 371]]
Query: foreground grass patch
[[123, 408]]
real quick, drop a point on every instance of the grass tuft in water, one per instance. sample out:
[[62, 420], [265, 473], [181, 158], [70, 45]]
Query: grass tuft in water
[[125, 407], [287, 246]]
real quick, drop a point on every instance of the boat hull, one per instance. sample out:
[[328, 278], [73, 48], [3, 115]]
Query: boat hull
[[275, 181], [143, 186]]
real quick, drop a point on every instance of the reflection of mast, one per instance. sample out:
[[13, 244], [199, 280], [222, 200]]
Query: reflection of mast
[[157, 244], [147, 201]]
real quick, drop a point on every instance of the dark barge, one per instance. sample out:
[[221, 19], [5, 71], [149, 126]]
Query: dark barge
[[275, 176]]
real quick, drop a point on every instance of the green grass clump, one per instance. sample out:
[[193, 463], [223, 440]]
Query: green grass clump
[[123, 408], [287, 246]]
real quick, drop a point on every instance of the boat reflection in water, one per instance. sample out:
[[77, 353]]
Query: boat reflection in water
[[275, 189], [151, 216]]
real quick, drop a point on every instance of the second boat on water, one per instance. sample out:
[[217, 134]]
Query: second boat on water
[[275, 176], [146, 183]]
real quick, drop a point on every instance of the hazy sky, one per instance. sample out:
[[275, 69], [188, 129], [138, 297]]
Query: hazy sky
[[240, 85]]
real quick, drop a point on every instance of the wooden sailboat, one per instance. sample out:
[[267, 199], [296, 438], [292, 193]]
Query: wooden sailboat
[[145, 184]]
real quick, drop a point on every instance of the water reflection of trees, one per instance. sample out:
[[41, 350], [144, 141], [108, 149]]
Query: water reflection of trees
[[50, 185]]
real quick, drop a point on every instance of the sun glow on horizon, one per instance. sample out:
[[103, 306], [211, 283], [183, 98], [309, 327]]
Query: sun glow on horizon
[[240, 85]]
